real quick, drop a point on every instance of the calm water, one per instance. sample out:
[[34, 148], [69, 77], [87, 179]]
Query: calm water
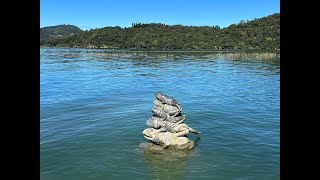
[[94, 105]]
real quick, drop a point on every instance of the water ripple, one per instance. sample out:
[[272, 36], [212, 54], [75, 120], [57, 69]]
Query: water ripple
[[94, 104]]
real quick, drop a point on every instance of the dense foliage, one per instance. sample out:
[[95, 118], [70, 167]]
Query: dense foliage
[[59, 31], [263, 33]]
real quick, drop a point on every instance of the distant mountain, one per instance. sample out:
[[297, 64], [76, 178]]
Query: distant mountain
[[262, 33], [59, 31]]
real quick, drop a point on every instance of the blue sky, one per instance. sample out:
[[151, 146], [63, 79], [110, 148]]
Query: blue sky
[[88, 14]]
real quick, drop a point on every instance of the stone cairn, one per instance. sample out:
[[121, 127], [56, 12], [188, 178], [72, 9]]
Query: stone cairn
[[167, 127]]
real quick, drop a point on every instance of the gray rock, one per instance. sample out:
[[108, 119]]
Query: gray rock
[[167, 99], [168, 129], [171, 110], [174, 119], [166, 139], [157, 111], [164, 126], [151, 147], [154, 122]]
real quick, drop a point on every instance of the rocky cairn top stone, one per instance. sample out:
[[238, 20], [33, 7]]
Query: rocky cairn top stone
[[167, 127]]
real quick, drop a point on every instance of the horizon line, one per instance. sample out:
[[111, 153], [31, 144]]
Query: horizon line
[[90, 28]]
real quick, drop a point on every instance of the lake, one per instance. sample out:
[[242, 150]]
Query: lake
[[94, 104]]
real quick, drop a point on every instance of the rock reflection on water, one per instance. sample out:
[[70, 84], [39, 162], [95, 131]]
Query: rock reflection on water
[[168, 163]]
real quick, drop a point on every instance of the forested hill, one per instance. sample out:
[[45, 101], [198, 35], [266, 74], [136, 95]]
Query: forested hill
[[262, 33], [59, 31]]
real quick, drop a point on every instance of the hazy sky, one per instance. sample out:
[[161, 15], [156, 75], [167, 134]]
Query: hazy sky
[[88, 14]]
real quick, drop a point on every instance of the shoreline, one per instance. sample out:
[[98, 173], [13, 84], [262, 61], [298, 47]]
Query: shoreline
[[260, 54], [168, 50]]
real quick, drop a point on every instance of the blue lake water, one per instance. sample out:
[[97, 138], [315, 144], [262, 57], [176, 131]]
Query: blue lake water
[[94, 105]]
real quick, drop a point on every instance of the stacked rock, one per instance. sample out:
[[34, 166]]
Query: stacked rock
[[167, 125]]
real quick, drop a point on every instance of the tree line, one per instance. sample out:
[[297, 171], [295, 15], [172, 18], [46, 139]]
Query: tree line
[[262, 33]]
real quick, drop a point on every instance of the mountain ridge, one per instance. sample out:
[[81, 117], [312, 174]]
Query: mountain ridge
[[58, 31], [260, 33]]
